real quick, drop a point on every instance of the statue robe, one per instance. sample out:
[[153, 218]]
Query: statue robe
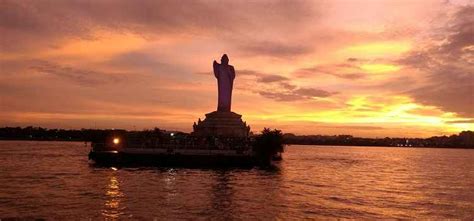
[[225, 75]]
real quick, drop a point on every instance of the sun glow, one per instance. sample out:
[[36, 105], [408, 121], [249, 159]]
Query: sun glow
[[391, 113]]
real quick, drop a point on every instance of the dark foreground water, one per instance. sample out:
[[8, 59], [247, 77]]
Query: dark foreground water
[[54, 180]]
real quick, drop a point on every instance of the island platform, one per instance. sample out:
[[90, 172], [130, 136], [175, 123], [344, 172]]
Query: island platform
[[177, 157], [161, 148]]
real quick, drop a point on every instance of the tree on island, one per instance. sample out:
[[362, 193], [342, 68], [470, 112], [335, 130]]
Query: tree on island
[[268, 144]]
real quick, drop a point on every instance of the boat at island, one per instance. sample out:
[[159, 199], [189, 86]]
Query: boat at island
[[163, 148]]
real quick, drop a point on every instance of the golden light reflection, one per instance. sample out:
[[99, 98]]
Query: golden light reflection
[[112, 208], [170, 184]]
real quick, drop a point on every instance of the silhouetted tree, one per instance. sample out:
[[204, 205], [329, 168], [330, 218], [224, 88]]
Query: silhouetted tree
[[268, 144]]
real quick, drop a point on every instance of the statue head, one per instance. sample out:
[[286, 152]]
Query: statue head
[[224, 59]]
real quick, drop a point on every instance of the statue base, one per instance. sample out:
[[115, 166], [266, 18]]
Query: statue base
[[221, 124]]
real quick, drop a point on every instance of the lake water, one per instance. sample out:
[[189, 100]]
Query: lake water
[[54, 180]]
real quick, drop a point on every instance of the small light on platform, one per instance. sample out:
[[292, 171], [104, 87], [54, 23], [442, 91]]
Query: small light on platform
[[172, 134], [116, 140]]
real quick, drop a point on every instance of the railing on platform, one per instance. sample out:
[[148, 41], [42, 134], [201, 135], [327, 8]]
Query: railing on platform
[[186, 146]]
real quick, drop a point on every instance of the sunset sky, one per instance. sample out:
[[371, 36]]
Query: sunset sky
[[372, 68]]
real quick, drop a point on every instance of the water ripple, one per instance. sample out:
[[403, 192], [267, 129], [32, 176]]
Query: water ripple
[[54, 180]]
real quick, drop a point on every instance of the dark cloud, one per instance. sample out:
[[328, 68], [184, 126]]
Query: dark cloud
[[280, 96], [272, 78], [352, 59], [287, 85], [32, 24], [248, 73], [295, 94], [418, 59], [449, 67], [333, 70], [398, 85], [277, 87], [461, 121], [141, 62], [79, 76], [312, 92], [461, 32], [276, 49]]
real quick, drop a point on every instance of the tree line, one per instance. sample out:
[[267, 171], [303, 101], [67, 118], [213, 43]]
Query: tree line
[[464, 139]]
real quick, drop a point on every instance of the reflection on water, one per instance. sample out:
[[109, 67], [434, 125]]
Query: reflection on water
[[170, 183], [113, 195], [54, 180], [222, 195]]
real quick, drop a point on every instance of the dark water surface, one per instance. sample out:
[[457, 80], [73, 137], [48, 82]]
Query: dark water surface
[[54, 180]]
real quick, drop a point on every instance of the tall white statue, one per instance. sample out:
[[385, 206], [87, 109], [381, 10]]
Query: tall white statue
[[225, 75]]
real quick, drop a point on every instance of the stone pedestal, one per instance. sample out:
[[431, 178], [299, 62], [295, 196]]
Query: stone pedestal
[[221, 124]]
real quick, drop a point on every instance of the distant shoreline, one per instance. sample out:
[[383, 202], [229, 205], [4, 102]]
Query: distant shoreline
[[463, 140], [325, 145], [3, 139], [379, 146]]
